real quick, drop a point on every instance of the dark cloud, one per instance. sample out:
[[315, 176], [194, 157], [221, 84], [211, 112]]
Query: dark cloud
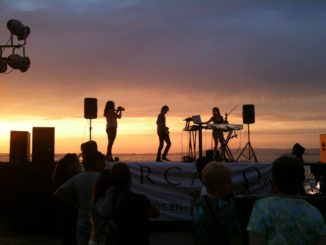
[[212, 49]]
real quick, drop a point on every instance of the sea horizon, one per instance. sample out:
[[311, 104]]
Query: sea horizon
[[264, 155]]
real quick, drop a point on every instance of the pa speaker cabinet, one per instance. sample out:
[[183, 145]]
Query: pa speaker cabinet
[[90, 108], [323, 148], [19, 147], [248, 114], [43, 145]]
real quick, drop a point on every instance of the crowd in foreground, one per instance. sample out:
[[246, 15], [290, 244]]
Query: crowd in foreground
[[108, 212]]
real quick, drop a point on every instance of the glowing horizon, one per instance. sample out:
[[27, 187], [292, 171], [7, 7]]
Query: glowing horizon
[[138, 134]]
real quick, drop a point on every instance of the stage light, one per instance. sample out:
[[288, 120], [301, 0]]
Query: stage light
[[17, 28], [3, 65], [16, 61]]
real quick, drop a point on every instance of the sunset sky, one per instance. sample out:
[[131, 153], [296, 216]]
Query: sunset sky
[[191, 55]]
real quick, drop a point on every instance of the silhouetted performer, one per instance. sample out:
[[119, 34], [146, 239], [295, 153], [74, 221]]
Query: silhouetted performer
[[111, 116], [163, 134], [217, 133]]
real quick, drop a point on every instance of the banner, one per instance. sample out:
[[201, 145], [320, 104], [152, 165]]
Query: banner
[[174, 187]]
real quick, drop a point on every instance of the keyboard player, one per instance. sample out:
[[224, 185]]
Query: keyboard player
[[217, 134]]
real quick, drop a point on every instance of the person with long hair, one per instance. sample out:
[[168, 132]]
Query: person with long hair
[[115, 205], [217, 133], [77, 192], [111, 115], [67, 167], [98, 208]]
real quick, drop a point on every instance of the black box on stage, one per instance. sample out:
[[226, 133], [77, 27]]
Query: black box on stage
[[43, 145], [19, 147]]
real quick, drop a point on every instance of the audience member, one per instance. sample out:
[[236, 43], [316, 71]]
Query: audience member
[[77, 191], [128, 211], [285, 218], [215, 220], [298, 150], [66, 168], [88, 150], [96, 206]]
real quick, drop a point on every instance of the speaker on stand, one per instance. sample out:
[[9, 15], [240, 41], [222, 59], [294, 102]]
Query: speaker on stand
[[248, 116], [90, 112]]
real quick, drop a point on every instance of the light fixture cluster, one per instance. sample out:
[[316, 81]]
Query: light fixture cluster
[[14, 60]]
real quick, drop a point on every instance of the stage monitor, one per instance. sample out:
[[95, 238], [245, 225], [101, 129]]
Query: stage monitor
[[43, 144], [19, 147]]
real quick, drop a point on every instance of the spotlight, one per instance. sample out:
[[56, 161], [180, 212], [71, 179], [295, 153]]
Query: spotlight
[[3, 65], [16, 61], [17, 28]]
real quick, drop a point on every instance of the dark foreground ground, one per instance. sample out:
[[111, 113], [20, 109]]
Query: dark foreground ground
[[157, 238], [29, 215]]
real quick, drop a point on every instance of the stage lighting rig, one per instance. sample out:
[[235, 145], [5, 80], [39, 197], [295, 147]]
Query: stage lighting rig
[[17, 28], [3, 65], [14, 60]]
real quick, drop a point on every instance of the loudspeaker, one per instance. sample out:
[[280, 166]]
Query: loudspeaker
[[248, 114], [19, 147], [90, 108], [323, 148], [43, 145]]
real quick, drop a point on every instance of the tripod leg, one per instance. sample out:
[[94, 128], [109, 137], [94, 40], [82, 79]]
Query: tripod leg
[[251, 151], [242, 152]]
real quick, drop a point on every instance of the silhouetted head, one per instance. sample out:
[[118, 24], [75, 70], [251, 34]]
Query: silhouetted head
[[298, 151], [65, 168], [216, 111], [94, 162], [109, 106], [288, 175], [121, 176], [68, 160], [217, 179], [88, 149], [165, 109]]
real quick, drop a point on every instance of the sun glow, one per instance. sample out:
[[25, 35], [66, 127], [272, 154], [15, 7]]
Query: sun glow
[[138, 134]]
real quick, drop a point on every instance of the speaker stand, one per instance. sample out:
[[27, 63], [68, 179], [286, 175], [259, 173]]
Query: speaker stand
[[251, 153], [90, 129]]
